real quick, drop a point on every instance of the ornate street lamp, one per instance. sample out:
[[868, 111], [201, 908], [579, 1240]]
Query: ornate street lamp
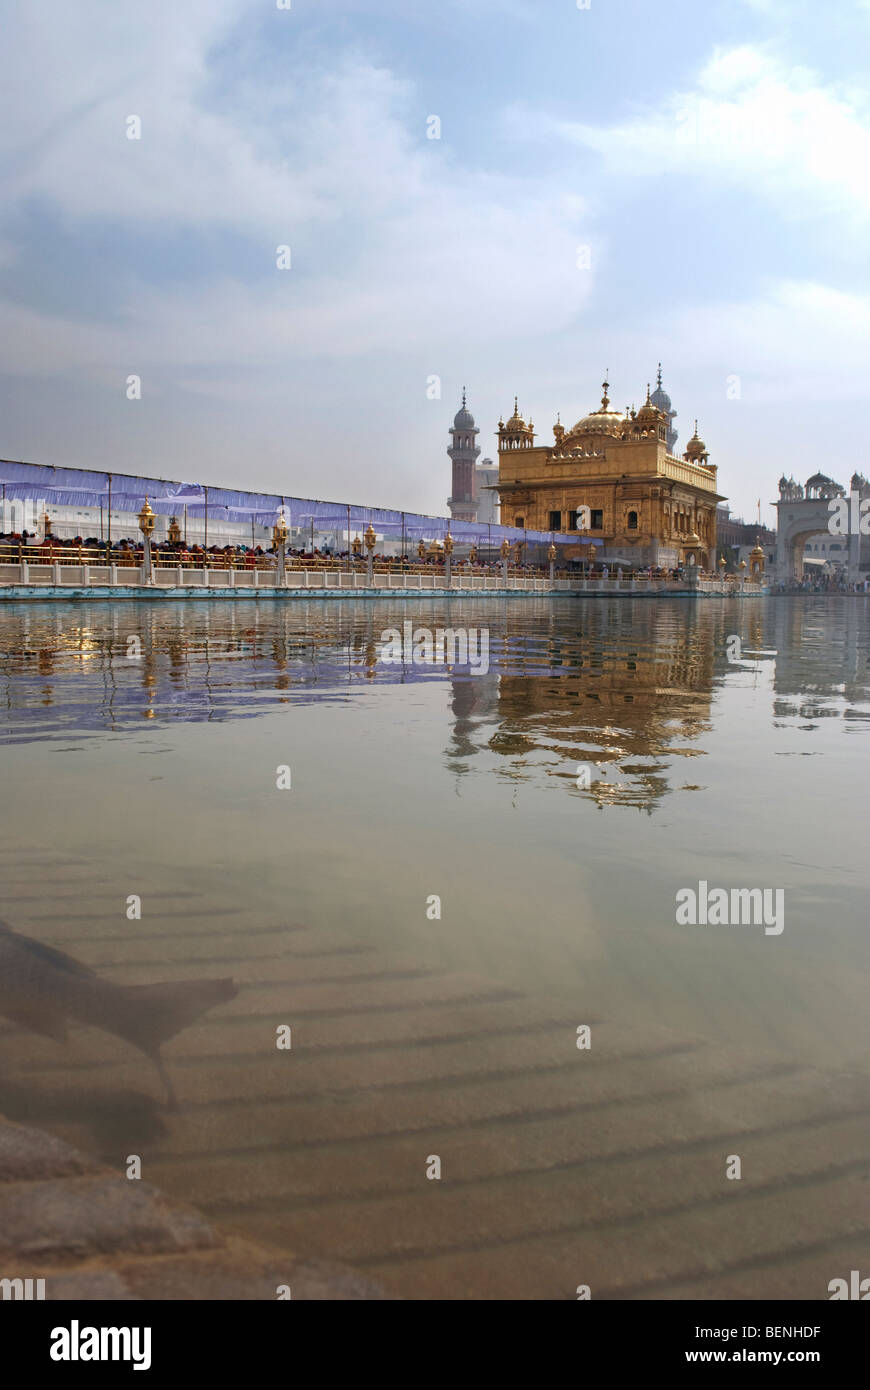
[[448, 553], [279, 540], [505, 552], [146, 526], [371, 540]]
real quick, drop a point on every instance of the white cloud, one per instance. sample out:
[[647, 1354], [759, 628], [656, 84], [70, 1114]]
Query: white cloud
[[796, 331], [752, 120], [392, 243]]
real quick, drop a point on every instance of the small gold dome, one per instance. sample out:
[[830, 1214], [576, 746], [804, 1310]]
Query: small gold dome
[[648, 414], [696, 448], [516, 424]]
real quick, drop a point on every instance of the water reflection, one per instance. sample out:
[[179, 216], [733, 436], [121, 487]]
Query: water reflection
[[624, 688]]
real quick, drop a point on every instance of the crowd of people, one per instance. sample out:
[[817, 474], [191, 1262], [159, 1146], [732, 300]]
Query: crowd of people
[[824, 584], [129, 550]]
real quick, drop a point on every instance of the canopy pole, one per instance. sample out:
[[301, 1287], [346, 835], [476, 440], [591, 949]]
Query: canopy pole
[[403, 542], [347, 555], [109, 518], [205, 543]]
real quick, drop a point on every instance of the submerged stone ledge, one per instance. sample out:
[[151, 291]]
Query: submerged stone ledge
[[90, 1233]]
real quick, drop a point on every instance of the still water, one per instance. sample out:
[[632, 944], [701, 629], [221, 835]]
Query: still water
[[615, 752]]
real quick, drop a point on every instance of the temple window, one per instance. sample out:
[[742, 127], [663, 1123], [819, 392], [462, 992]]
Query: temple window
[[597, 521], [555, 521], [519, 521], [632, 521]]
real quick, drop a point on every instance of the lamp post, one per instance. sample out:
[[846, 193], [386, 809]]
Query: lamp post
[[505, 552], [421, 550], [146, 526], [551, 556], [174, 531], [583, 515], [279, 540], [448, 551], [370, 539], [742, 569]]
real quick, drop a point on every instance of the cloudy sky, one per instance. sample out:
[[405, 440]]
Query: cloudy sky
[[612, 186]]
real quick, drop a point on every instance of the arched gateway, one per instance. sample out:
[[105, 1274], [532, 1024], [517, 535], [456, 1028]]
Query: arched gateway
[[802, 512]]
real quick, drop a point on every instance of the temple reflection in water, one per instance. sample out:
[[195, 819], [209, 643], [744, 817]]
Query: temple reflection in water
[[621, 687]]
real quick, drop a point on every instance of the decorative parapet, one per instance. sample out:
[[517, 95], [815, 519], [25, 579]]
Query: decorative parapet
[[683, 472]]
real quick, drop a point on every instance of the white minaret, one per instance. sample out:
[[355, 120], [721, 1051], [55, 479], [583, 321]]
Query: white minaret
[[464, 452]]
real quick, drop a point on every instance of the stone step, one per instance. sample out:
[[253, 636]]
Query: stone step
[[732, 1237], [485, 1130]]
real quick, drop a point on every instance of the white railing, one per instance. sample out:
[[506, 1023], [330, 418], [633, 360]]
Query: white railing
[[90, 576]]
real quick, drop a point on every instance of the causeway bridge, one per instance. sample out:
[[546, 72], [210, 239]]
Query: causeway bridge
[[64, 580]]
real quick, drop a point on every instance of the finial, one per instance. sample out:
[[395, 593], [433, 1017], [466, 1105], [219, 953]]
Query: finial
[[604, 385], [696, 430], [660, 377], [648, 401], [516, 407], [463, 395]]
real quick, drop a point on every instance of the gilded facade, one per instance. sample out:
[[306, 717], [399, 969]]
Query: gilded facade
[[646, 506]]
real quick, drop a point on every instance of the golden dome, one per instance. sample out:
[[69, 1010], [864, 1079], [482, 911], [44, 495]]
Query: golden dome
[[696, 448], [648, 414], [602, 421], [516, 424]]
